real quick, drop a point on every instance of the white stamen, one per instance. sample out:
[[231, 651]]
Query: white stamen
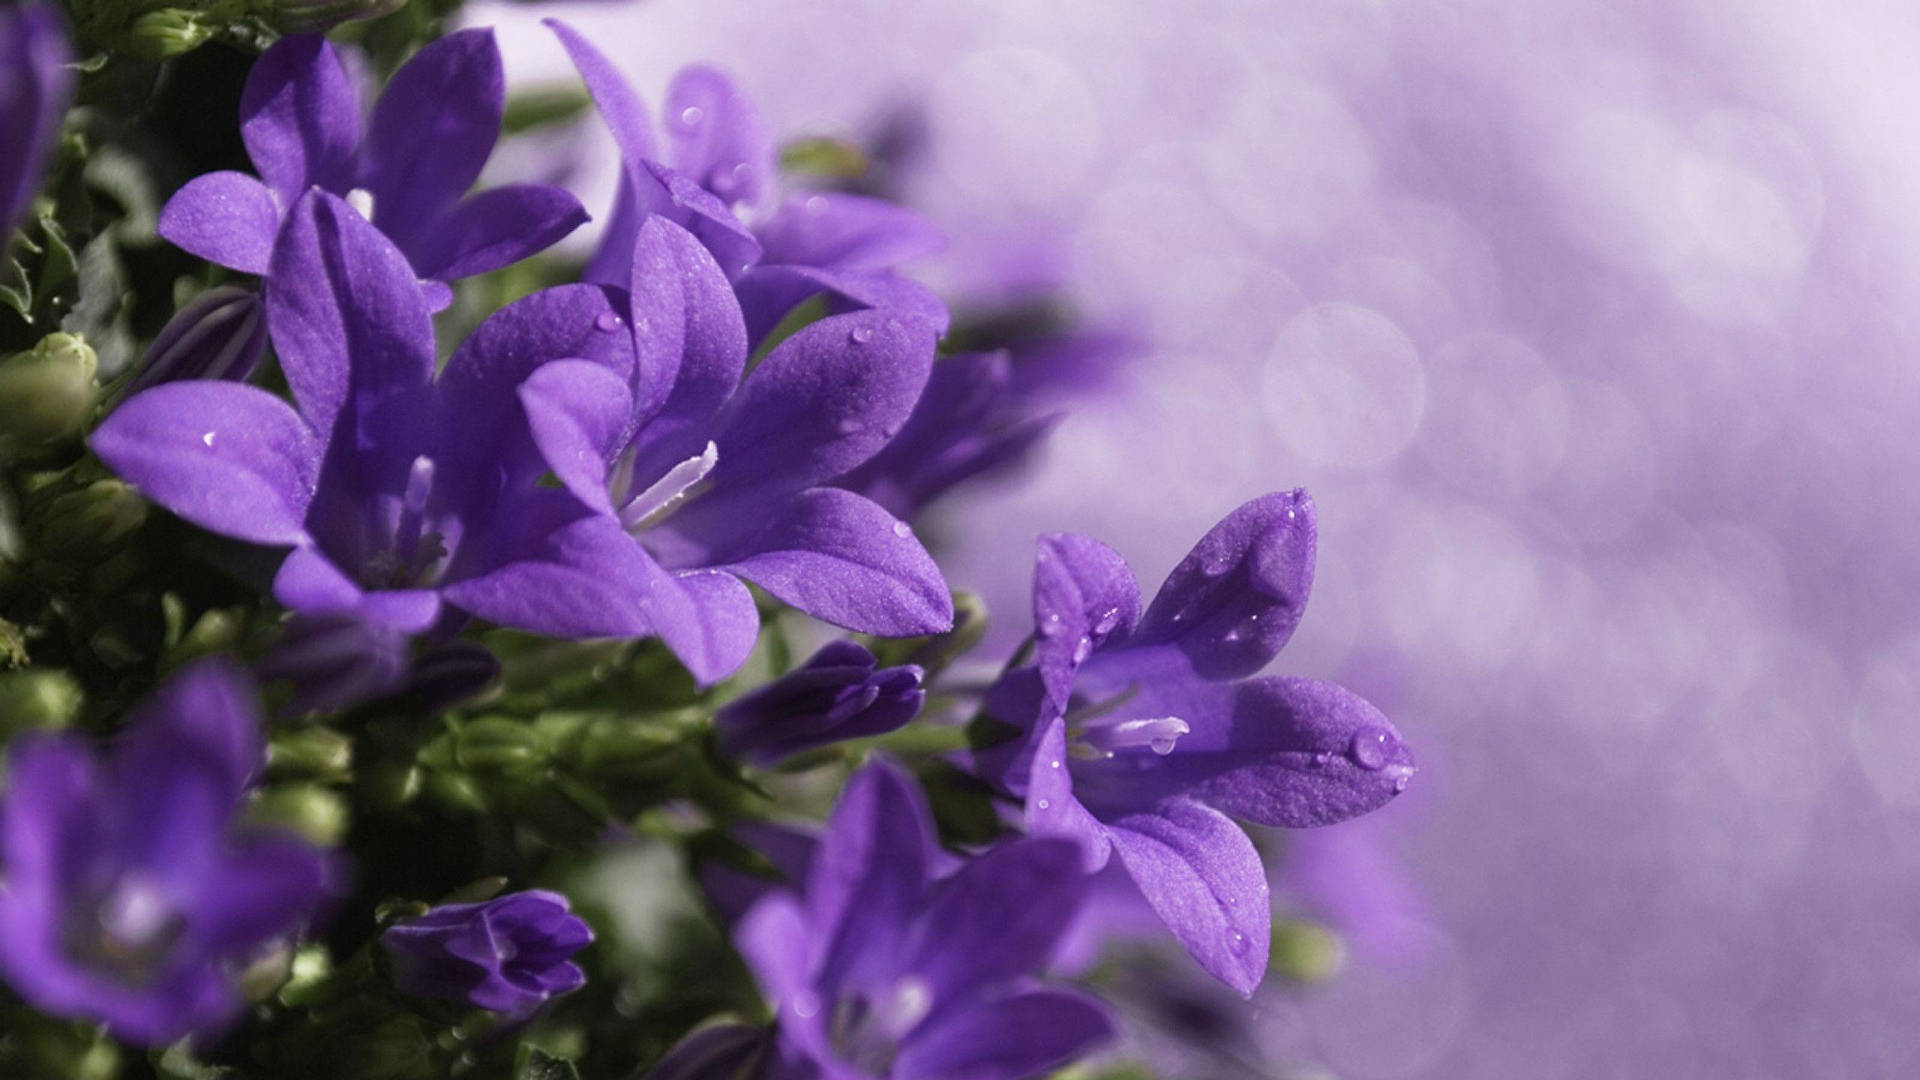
[[1155, 733], [666, 494]]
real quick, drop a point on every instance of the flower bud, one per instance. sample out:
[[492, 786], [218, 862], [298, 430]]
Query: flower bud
[[313, 753], [446, 675], [508, 955], [84, 525], [169, 32], [314, 812], [335, 660], [38, 699], [497, 744], [221, 334], [840, 693], [46, 394]]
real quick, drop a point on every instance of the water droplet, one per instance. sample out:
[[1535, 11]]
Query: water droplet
[[1163, 747], [1370, 748], [1320, 759], [902, 530], [806, 1004], [1237, 944], [691, 116], [1109, 619], [1054, 764], [1051, 627], [1043, 804], [848, 426], [1215, 563], [1400, 782], [207, 438], [817, 204], [607, 323], [1081, 650], [861, 335]]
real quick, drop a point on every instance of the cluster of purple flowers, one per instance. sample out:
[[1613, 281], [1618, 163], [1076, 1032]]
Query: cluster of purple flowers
[[622, 458]]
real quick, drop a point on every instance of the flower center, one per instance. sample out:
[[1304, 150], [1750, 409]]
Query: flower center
[[128, 931], [866, 1029], [417, 551], [673, 490]]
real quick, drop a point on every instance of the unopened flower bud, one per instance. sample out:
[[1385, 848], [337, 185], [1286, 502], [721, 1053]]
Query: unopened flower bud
[[46, 394], [314, 812], [221, 334], [840, 693], [497, 744], [446, 675], [38, 699], [335, 660], [84, 525], [508, 955], [169, 32], [313, 753]]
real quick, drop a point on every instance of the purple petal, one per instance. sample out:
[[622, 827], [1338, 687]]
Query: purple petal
[[720, 1052], [1204, 878], [717, 137], [773, 937], [269, 887], [232, 459], [673, 194], [36, 84], [349, 324], [300, 118], [497, 228], [1083, 594], [1000, 917], [690, 344], [1277, 751], [769, 292], [1233, 602], [562, 570], [227, 218], [432, 131], [52, 811], [477, 390], [612, 260], [834, 230], [823, 401], [870, 873], [206, 710], [309, 582], [708, 619], [839, 557], [578, 412], [1016, 1037], [220, 334], [625, 114], [1052, 809]]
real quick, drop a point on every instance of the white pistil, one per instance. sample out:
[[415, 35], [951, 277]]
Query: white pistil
[[666, 494]]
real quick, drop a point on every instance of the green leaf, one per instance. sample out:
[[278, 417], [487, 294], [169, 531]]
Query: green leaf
[[536, 1064]]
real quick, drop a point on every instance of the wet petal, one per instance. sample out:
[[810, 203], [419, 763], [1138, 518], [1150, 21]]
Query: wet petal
[[497, 228], [1204, 878], [432, 131], [227, 218]]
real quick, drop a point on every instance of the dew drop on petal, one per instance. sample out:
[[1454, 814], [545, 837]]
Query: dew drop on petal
[[1043, 804], [1237, 944], [848, 426], [1369, 749], [207, 438], [861, 335], [1081, 650], [691, 116], [902, 530], [607, 323], [806, 1004]]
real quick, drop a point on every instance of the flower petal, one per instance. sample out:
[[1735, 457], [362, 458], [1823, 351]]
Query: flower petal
[[870, 872], [300, 118], [578, 412], [1052, 809], [625, 114], [1015, 1037], [998, 918], [1233, 602], [227, 218], [769, 292], [830, 229], [823, 401], [839, 557], [1083, 595], [561, 570], [432, 131], [690, 344], [230, 458], [348, 322], [497, 228], [1204, 878], [708, 619], [717, 136]]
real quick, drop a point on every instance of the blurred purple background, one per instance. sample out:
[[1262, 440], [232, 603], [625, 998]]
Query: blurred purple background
[[1592, 326]]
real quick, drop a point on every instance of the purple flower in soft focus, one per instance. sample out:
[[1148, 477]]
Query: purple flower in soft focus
[[127, 899], [398, 492], [719, 477], [508, 955], [221, 334], [35, 86], [1138, 739], [881, 971], [716, 179], [428, 137], [840, 693], [334, 660], [969, 423]]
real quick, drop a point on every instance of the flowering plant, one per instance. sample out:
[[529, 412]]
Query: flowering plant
[[374, 713]]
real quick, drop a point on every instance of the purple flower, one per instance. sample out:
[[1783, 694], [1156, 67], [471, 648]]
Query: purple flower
[[719, 165], [508, 955], [428, 137], [221, 334], [35, 86], [398, 492], [128, 899], [881, 971], [1148, 741], [836, 695], [719, 478], [334, 660]]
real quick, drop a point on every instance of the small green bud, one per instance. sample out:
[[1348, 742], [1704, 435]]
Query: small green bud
[[497, 744], [314, 753], [315, 812], [168, 32], [308, 976], [46, 394], [824, 157], [214, 631], [83, 526], [38, 699], [268, 972], [390, 785]]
